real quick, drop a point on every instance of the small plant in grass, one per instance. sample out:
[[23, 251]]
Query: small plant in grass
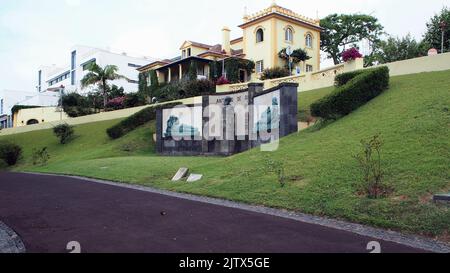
[[10, 153], [369, 159], [64, 132], [40, 156], [276, 167]]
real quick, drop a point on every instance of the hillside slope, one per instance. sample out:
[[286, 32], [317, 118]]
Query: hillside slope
[[412, 117]]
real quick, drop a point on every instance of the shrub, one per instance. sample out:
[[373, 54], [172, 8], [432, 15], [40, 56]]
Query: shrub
[[64, 132], [355, 93], [274, 73], [76, 105], [134, 100], [198, 88], [222, 80], [169, 92], [40, 156], [344, 78], [140, 118], [10, 153], [116, 103], [351, 54], [184, 89], [369, 159]]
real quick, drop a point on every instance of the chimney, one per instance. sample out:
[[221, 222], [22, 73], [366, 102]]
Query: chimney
[[226, 40]]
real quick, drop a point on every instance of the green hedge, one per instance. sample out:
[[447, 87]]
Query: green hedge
[[359, 87], [343, 79], [140, 118]]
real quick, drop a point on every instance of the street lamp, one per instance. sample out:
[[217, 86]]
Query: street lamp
[[443, 26], [289, 52]]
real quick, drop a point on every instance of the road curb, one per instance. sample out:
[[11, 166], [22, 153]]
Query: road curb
[[418, 242], [10, 242]]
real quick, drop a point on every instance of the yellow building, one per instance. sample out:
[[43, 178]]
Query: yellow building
[[264, 35], [38, 115]]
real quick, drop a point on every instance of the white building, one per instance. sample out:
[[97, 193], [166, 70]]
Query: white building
[[71, 74]]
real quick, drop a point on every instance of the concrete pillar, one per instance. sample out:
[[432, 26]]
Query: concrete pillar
[[353, 65], [226, 43], [158, 75], [207, 71], [180, 66], [169, 78]]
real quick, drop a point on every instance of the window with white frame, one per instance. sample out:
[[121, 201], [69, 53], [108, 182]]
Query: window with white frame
[[309, 68], [259, 66], [289, 35], [309, 40]]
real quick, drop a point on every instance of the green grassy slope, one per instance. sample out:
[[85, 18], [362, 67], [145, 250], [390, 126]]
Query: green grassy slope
[[412, 117]]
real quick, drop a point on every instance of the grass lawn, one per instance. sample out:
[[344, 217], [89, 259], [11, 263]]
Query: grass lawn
[[413, 118], [308, 98]]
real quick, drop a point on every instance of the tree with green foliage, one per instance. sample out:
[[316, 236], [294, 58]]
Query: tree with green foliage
[[115, 91], [433, 36], [396, 49], [346, 30], [100, 76]]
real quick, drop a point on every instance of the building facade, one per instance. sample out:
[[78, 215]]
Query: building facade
[[11, 98], [51, 78], [264, 35], [80, 57]]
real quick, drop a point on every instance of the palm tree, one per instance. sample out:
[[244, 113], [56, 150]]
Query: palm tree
[[101, 76]]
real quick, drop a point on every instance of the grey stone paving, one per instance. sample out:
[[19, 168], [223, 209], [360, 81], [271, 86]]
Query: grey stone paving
[[9, 241]]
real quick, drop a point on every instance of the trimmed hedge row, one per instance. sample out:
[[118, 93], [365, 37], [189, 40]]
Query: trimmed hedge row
[[343, 79], [140, 118], [354, 90]]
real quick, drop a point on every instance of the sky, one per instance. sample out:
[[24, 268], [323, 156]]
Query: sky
[[35, 33]]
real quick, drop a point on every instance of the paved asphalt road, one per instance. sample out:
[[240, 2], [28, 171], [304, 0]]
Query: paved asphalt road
[[47, 212]]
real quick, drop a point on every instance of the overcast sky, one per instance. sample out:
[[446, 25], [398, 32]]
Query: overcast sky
[[34, 33]]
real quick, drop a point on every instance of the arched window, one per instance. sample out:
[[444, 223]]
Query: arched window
[[32, 121], [309, 40], [289, 35], [259, 35]]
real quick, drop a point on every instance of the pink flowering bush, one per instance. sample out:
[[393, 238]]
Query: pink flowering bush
[[351, 54], [116, 103], [222, 80]]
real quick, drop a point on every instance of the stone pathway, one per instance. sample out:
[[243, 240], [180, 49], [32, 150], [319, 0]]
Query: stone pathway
[[10, 241]]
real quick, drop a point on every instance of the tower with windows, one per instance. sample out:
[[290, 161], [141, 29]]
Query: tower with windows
[[271, 30]]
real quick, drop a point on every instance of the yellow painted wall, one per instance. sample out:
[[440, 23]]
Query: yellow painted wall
[[42, 115], [237, 46], [259, 51], [299, 41], [418, 65], [274, 41], [194, 50]]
